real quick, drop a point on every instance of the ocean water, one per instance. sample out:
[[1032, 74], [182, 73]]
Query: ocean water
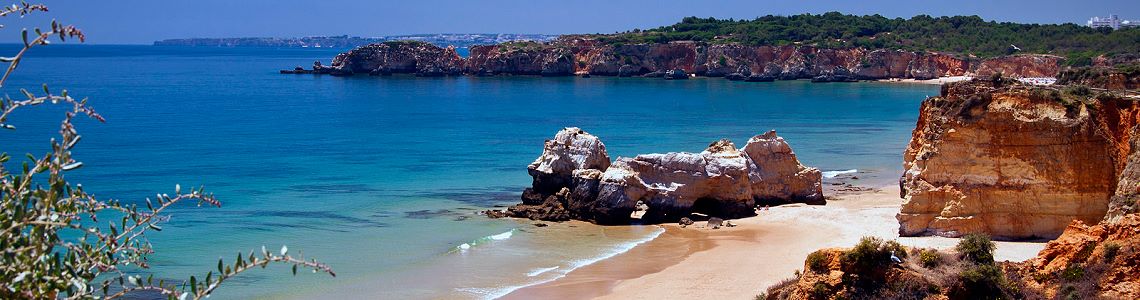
[[382, 177]]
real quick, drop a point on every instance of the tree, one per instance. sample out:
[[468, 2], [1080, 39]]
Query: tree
[[54, 244]]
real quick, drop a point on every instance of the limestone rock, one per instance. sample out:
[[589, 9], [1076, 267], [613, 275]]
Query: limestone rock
[[722, 181], [778, 175], [1006, 162]]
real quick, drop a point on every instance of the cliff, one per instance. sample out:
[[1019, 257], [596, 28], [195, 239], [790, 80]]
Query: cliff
[[574, 179], [1123, 76], [1013, 161], [1097, 261], [576, 55], [386, 58]]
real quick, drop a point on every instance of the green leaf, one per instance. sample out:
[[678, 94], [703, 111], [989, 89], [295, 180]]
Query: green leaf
[[294, 270], [220, 267], [194, 284]]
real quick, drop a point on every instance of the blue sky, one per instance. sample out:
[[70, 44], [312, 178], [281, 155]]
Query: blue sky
[[143, 21]]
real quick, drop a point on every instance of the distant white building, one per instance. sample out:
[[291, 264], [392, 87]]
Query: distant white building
[[1112, 21]]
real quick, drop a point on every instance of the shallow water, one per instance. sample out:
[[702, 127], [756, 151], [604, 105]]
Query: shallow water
[[382, 177]]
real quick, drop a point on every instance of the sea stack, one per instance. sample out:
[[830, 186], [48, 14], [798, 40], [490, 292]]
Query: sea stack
[[574, 179]]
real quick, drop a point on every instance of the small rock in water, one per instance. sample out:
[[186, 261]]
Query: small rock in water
[[541, 224]]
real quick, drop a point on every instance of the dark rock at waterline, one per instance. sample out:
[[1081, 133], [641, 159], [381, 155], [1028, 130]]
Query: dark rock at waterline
[[834, 78], [760, 78], [676, 74]]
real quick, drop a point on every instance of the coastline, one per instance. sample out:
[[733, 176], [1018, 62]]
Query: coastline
[[741, 262], [936, 81]]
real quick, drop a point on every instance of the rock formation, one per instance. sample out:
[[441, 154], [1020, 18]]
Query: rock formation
[[1012, 161], [1104, 254], [577, 55], [419, 58], [574, 179]]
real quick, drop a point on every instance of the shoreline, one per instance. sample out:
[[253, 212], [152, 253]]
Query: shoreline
[[741, 262], [936, 81]]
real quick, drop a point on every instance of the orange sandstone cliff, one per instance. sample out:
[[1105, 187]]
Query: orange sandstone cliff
[[1012, 161]]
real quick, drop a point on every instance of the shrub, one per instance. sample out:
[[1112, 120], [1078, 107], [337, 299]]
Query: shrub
[[817, 262], [1073, 273], [895, 248], [1110, 251], [977, 248], [54, 247], [819, 290], [983, 281], [930, 258], [866, 255]]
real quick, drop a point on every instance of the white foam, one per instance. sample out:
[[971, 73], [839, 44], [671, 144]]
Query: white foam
[[503, 236], [539, 271], [495, 293], [832, 174], [483, 240]]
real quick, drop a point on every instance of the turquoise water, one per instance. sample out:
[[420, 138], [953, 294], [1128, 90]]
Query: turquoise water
[[381, 177]]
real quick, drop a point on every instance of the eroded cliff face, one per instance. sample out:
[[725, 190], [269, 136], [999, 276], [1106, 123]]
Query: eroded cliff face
[[1105, 254], [1012, 161], [1026, 65], [571, 56]]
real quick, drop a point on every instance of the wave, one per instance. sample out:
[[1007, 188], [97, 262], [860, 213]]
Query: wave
[[539, 271], [484, 240], [832, 174], [495, 293]]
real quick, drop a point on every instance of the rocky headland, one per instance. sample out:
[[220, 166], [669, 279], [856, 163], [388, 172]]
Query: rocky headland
[[578, 55], [575, 179], [1014, 161]]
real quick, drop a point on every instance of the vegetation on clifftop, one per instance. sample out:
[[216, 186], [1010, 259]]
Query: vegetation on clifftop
[[958, 34]]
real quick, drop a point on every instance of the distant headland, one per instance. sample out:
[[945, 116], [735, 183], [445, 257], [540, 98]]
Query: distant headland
[[826, 48], [343, 41]]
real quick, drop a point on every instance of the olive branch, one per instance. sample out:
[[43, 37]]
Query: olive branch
[[53, 244]]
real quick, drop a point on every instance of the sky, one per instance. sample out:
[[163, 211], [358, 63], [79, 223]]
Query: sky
[[145, 21]]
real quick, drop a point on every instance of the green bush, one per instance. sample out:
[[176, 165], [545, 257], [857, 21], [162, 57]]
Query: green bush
[[820, 290], [871, 254], [976, 248], [1110, 251], [817, 262], [983, 281], [1073, 273], [929, 258], [896, 248]]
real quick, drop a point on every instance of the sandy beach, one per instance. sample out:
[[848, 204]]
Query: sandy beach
[[937, 81], [742, 261]]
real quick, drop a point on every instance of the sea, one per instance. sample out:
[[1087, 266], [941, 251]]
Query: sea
[[382, 178]]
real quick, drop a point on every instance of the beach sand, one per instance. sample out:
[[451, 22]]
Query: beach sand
[[742, 261], [939, 81]]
